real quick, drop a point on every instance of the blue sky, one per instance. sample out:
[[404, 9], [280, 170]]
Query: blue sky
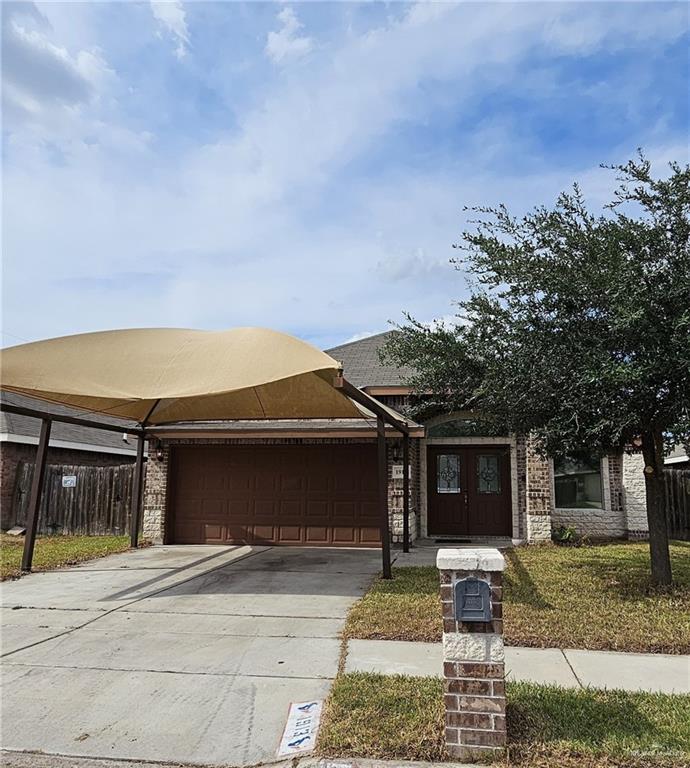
[[303, 166]]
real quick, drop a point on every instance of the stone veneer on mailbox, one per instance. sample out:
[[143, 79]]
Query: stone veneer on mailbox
[[473, 657]]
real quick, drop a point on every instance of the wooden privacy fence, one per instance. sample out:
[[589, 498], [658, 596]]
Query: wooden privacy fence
[[95, 501], [677, 482]]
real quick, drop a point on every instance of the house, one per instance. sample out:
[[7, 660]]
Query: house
[[69, 444], [678, 459], [313, 482]]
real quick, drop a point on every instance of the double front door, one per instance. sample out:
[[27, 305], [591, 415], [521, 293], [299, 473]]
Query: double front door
[[468, 490]]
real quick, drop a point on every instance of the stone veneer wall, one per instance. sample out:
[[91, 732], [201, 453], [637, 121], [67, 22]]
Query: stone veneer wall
[[634, 498], [155, 491], [538, 492], [395, 491], [12, 453]]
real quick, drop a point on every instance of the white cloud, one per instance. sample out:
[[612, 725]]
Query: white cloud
[[287, 43], [39, 76], [226, 232], [171, 15]]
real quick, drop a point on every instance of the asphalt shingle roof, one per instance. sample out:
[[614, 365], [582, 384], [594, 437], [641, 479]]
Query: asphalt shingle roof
[[13, 424], [361, 364]]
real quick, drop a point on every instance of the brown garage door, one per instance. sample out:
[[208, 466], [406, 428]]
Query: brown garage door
[[291, 494]]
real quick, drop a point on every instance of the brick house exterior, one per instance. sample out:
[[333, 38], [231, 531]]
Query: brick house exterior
[[529, 499]]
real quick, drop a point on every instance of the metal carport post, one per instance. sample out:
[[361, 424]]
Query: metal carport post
[[383, 417]]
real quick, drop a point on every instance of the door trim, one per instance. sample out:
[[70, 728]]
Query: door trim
[[468, 442]]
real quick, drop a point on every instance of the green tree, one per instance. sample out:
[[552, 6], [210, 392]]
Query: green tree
[[577, 329]]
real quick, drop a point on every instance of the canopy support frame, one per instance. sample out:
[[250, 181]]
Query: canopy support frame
[[36, 495], [137, 493], [406, 493], [383, 497], [383, 417], [47, 418]]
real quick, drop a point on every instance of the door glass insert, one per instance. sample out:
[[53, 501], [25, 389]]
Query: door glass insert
[[448, 473], [488, 476]]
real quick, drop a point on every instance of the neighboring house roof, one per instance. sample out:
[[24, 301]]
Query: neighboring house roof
[[362, 366], [15, 428], [677, 456]]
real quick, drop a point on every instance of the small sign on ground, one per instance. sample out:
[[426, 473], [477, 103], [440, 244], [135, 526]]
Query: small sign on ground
[[301, 728], [69, 481]]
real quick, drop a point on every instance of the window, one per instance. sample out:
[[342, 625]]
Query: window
[[578, 483], [488, 476], [448, 473], [463, 428]]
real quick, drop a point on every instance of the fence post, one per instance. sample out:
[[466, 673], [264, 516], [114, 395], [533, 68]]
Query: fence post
[[473, 660]]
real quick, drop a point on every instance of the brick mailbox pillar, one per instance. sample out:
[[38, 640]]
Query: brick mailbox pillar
[[473, 660]]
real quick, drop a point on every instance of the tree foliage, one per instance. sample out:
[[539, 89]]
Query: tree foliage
[[577, 329]]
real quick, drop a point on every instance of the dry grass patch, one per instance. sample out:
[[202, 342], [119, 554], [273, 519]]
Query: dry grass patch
[[407, 607], [396, 717], [56, 551], [384, 717], [597, 597]]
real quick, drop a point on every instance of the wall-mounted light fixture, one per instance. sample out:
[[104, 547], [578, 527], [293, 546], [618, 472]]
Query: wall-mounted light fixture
[[395, 452], [158, 448]]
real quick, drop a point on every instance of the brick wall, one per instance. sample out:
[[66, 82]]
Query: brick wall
[[521, 465], [155, 491], [12, 453], [538, 494]]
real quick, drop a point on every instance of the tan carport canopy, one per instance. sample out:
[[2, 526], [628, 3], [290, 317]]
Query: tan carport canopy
[[164, 375], [157, 376]]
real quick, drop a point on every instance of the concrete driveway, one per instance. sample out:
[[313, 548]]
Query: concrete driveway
[[186, 654]]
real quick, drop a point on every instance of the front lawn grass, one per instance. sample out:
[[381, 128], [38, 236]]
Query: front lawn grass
[[396, 717], [597, 597], [56, 551]]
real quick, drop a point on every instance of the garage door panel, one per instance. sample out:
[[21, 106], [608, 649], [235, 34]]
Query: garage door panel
[[317, 534], [240, 509], [263, 533], [213, 508], [296, 494], [264, 508], [369, 513], [290, 510], [344, 535], [234, 533], [317, 483], [317, 509], [344, 511], [370, 535], [214, 532], [290, 534]]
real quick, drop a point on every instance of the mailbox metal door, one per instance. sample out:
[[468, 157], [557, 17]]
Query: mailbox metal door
[[472, 600]]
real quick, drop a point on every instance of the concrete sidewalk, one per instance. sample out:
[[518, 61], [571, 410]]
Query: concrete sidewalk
[[568, 668]]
